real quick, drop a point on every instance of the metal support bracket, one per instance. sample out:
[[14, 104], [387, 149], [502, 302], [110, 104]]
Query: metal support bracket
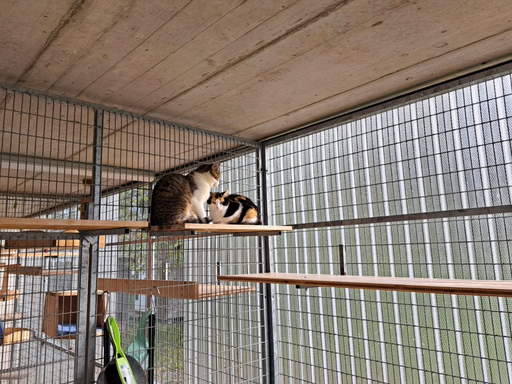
[[342, 268]]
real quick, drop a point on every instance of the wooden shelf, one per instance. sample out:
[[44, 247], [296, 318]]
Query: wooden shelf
[[7, 295], [46, 244], [16, 335], [66, 224], [36, 271], [46, 253], [206, 291], [439, 286], [8, 253], [17, 269], [222, 228], [194, 231], [189, 290], [39, 243], [98, 225]]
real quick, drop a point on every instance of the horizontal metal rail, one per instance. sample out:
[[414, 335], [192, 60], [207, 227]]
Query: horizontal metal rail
[[409, 217]]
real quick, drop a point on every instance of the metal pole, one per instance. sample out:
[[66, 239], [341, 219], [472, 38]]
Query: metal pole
[[87, 292], [152, 344], [342, 260], [266, 303], [81, 337]]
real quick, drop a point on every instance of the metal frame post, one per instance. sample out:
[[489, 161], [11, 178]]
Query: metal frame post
[[87, 279], [266, 302]]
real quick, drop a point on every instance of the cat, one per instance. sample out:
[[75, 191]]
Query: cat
[[232, 209], [178, 199]]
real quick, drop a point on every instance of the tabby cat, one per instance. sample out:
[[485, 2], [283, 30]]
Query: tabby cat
[[232, 209], [177, 198]]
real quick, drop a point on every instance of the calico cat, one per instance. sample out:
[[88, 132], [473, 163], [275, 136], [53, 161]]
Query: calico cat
[[232, 209], [177, 198]]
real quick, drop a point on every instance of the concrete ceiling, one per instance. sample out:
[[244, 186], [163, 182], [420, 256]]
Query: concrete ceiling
[[252, 68]]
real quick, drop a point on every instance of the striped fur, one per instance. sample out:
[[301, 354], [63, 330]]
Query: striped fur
[[177, 198]]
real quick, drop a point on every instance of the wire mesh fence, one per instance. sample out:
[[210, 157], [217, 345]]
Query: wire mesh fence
[[421, 189], [64, 160], [370, 185]]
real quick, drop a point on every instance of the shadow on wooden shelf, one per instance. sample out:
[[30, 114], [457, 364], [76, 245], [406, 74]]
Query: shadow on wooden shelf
[[402, 284], [196, 230], [221, 229], [188, 290]]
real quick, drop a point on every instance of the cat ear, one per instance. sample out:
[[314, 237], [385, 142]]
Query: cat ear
[[227, 193], [216, 166]]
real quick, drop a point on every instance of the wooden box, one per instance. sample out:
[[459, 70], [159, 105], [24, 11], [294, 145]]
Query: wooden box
[[62, 308]]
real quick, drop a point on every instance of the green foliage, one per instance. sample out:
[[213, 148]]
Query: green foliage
[[134, 204], [169, 347]]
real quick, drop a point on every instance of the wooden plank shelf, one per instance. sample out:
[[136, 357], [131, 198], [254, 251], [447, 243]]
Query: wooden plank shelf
[[194, 231], [45, 244], [50, 253], [68, 224], [39, 243], [36, 271], [98, 225], [188, 290], [402, 284], [8, 253], [223, 228], [16, 335], [10, 294]]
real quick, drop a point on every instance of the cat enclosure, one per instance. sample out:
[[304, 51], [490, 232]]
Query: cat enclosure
[[384, 256]]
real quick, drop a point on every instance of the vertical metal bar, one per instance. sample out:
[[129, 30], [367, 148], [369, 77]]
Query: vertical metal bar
[[266, 303], [151, 351], [89, 252], [80, 366], [342, 260], [106, 345], [93, 213]]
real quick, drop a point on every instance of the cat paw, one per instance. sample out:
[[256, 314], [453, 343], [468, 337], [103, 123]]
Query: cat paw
[[206, 220]]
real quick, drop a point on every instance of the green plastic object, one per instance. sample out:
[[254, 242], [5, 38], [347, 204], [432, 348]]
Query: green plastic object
[[124, 371], [140, 346]]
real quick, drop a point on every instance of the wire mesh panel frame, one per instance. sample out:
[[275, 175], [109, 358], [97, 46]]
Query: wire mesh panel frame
[[62, 174], [330, 183]]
